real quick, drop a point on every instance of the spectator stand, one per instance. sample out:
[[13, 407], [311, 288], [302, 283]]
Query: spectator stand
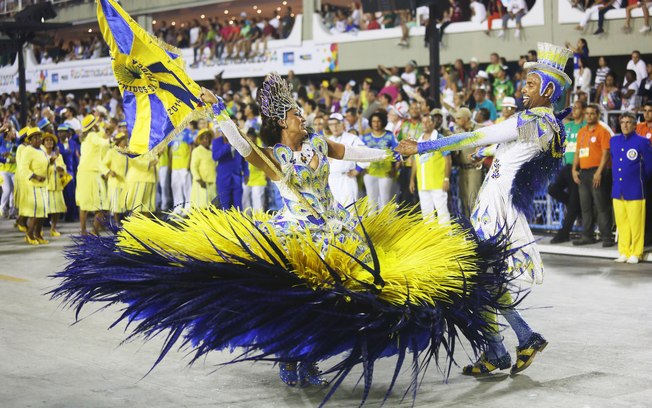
[[282, 56], [321, 34], [568, 14]]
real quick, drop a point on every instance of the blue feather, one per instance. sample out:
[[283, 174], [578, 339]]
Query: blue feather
[[266, 310], [535, 175]]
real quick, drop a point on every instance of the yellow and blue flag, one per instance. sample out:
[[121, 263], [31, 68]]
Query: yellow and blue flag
[[159, 98]]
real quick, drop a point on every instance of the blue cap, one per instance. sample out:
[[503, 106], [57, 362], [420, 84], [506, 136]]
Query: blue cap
[[64, 127], [122, 123], [43, 123]]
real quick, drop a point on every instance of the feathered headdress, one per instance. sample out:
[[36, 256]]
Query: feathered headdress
[[275, 97], [551, 61]]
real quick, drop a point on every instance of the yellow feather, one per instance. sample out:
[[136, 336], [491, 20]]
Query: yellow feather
[[419, 262]]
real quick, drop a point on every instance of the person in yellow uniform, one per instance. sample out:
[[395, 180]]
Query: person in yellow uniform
[[8, 145], [56, 168], [163, 191], [253, 193], [33, 167], [432, 171], [202, 168], [181, 180], [91, 193], [19, 187], [114, 170], [141, 185]]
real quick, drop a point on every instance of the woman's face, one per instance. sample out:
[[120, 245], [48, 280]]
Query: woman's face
[[602, 62], [609, 81], [295, 124], [35, 141], [376, 123], [48, 143], [205, 140]]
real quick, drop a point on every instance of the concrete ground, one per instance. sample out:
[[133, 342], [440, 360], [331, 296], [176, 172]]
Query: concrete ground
[[596, 314]]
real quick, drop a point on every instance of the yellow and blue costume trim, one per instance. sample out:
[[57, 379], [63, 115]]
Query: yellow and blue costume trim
[[158, 96]]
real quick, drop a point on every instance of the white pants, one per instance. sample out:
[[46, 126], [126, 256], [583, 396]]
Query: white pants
[[181, 186], [253, 197], [434, 200], [379, 190], [588, 13], [344, 188], [164, 189], [7, 200]]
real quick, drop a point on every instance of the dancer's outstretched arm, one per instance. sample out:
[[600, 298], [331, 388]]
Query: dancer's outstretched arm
[[494, 134], [235, 138], [356, 153]]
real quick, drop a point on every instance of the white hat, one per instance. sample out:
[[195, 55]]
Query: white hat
[[508, 101], [336, 116], [401, 109], [70, 96], [473, 59], [394, 79], [551, 59], [352, 82], [483, 74], [101, 109], [392, 108]]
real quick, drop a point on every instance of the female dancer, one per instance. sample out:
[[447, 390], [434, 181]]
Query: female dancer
[[312, 282]]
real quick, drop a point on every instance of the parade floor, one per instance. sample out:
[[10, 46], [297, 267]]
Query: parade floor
[[597, 316]]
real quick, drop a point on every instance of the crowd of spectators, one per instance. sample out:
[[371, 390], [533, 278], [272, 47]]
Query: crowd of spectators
[[353, 18], [215, 41], [89, 47], [627, 90], [599, 9], [392, 105]]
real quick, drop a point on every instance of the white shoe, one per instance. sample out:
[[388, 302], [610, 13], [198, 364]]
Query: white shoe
[[501, 34], [517, 33], [645, 29], [632, 260], [621, 259]]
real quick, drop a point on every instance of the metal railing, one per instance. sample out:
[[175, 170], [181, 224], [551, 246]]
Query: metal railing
[[548, 213]]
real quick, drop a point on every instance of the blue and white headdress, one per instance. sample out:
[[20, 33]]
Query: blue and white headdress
[[275, 97], [551, 61]]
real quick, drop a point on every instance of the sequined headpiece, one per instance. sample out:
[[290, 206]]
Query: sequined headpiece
[[551, 61], [275, 97]]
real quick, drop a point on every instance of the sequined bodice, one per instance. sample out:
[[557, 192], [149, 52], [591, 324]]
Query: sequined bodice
[[312, 184]]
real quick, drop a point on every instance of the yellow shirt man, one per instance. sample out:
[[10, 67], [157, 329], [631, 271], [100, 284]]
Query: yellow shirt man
[[202, 167]]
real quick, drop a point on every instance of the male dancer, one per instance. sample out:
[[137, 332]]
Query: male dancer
[[530, 147]]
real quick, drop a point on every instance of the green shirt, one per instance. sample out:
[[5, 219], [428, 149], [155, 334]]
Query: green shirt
[[572, 129], [409, 131], [501, 90], [492, 69]]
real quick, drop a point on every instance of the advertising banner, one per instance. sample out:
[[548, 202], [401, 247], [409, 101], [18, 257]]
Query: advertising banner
[[310, 58]]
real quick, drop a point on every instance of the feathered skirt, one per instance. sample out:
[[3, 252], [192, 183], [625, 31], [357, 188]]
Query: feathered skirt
[[223, 280]]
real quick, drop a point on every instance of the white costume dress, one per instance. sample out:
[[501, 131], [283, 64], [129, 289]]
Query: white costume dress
[[344, 187]]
